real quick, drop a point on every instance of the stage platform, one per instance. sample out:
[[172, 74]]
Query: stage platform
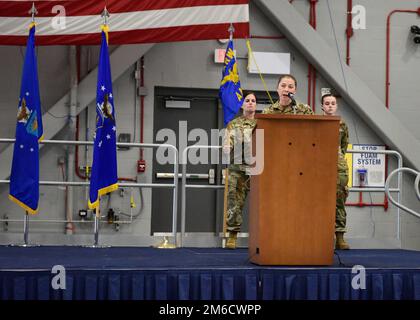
[[139, 273]]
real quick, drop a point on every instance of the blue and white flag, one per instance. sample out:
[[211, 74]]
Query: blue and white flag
[[104, 178], [230, 87], [24, 177]]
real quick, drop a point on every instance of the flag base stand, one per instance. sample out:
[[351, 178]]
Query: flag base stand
[[96, 235], [25, 243], [165, 244], [96, 246]]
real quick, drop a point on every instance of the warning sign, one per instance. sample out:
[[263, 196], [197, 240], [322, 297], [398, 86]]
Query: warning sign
[[368, 168]]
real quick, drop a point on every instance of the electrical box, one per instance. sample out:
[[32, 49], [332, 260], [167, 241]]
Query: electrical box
[[269, 63], [142, 91], [141, 166], [83, 214], [124, 138]]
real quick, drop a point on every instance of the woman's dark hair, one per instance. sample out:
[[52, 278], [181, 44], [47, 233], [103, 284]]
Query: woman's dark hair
[[287, 76], [246, 93], [327, 95]]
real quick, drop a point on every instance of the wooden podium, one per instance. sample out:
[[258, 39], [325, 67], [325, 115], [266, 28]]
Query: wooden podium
[[292, 202]]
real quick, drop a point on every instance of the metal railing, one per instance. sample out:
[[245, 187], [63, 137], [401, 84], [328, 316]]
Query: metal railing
[[184, 185], [383, 189], [173, 185], [416, 188]]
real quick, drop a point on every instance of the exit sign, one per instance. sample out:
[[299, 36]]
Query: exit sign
[[219, 55]]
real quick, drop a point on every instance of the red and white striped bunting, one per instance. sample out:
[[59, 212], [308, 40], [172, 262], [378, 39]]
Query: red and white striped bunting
[[130, 21]]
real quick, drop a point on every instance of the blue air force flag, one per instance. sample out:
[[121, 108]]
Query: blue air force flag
[[24, 178], [104, 168], [230, 87]]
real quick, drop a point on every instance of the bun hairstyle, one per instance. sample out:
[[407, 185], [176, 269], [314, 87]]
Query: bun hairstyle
[[287, 76], [327, 95]]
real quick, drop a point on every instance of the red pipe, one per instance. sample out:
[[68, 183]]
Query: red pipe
[[349, 30], [309, 65], [141, 105], [364, 204], [76, 153], [388, 23], [313, 88], [311, 69], [309, 83], [314, 2]]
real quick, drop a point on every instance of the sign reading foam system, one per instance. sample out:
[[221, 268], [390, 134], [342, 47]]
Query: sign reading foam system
[[368, 169]]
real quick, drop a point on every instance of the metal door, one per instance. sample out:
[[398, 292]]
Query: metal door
[[181, 111]]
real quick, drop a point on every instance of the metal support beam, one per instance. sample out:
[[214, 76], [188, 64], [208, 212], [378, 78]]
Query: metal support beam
[[121, 59], [328, 61]]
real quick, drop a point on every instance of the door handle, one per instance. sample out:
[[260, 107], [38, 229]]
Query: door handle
[[167, 175], [211, 176]]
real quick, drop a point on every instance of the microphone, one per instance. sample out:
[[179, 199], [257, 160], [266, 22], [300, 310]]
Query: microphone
[[291, 96]]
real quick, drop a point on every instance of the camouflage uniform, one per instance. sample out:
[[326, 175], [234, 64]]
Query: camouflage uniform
[[238, 131], [276, 108], [342, 179]]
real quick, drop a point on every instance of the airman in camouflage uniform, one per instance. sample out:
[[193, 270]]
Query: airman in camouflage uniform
[[342, 189], [329, 106], [238, 137], [277, 108], [285, 105]]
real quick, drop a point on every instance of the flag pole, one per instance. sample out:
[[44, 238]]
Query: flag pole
[[26, 221], [226, 172], [25, 229], [105, 15], [96, 227], [231, 31], [33, 11], [225, 207]]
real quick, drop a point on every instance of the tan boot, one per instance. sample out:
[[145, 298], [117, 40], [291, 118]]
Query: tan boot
[[340, 243], [231, 240]]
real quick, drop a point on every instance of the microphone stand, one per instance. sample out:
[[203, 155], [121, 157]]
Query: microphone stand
[[293, 102]]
